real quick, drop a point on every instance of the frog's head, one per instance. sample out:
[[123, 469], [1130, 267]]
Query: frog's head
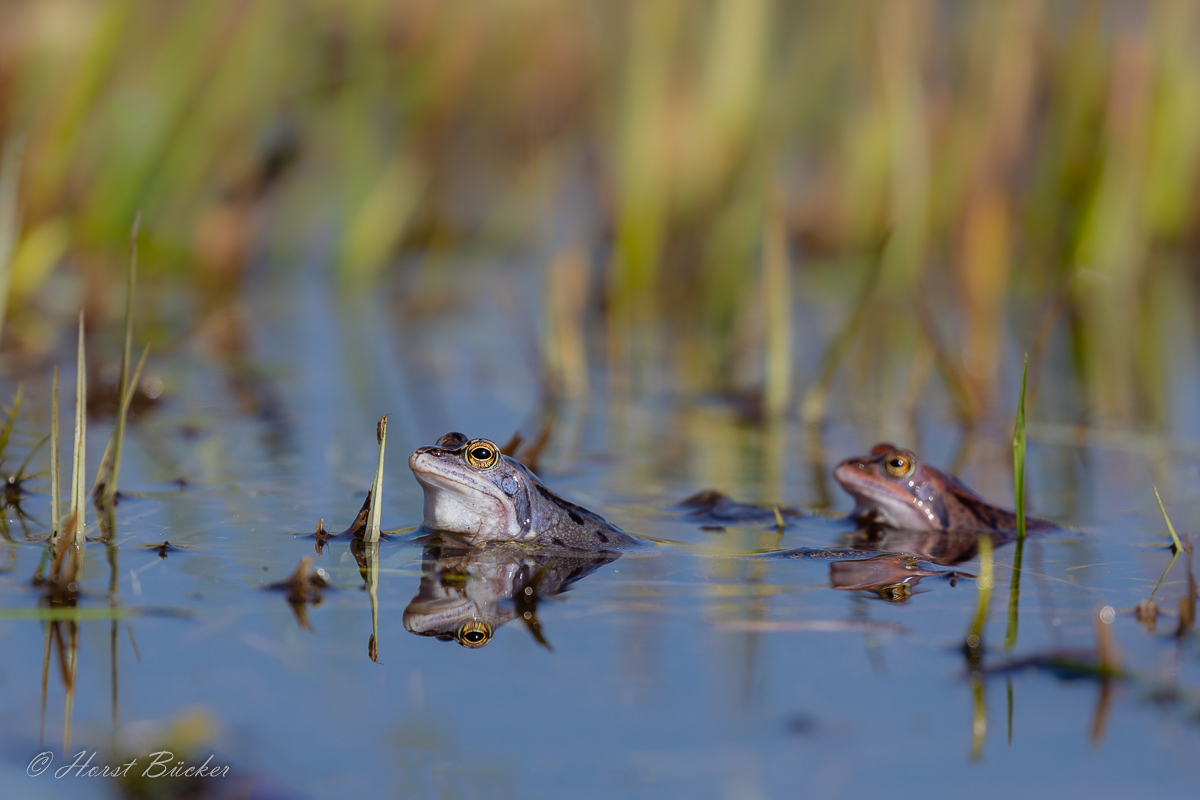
[[472, 489], [449, 611], [891, 487], [463, 592], [468, 628]]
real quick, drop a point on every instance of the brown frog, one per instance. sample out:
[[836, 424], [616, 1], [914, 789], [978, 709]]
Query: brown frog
[[891, 487]]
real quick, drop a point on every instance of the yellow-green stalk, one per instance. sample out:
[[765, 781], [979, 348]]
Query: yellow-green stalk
[[1174, 538], [777, 307], [376, 508], [1019, 455], [6, 430], [1014, 589], [78, 494], [105, 488], [55, 487]]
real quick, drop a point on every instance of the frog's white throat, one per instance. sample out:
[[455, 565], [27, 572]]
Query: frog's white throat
[[465, 505]]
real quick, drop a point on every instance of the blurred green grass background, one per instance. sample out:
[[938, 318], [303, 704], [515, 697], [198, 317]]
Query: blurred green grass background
[[966, 180]]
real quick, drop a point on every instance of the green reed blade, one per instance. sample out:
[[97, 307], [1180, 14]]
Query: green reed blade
[[55, 487], [10, 214], [105, 487], [125, 386], [1174, 538], [6, 430], [1170, 527], [1014, 589], [950, 372], [20, 473], [78, 497], [813, 407], [1014, 598], [777, 306], [779, 523], [372, 532], [1019, 455], [110, 465]]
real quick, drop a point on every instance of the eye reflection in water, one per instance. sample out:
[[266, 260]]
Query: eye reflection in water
[[467, 593]]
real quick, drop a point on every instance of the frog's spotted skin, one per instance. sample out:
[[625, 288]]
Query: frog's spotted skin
[[474, 491], [892, 488]]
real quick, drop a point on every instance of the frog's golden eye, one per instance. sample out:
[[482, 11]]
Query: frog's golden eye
[[475, 633], [482, 454], [899, 465]]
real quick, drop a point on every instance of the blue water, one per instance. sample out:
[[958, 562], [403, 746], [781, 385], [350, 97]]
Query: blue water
[[682, 669]]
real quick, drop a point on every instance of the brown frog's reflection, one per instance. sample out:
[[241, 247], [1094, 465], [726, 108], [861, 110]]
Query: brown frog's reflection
[[904, 559], [467, 593]]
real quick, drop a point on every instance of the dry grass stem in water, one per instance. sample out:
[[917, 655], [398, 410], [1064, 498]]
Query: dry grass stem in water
[[78, 493], [372, 531]]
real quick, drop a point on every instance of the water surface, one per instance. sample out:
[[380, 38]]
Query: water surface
[[684, 669]]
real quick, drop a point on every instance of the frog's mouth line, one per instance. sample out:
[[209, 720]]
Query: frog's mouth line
[[878, 496], [433, 479], [437, 480], [439, 616], [874, 496]]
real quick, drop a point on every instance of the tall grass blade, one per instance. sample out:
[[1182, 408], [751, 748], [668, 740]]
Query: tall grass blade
[[106, 477], [813, 407], [777, 305], [6, 430], [1014, 589], [1019, 455], [20, 473], [78, 494], [1174, 538], [1170, 527], [372, 532], [951, 373], [10, 216], [1014, 598], [55, 486]]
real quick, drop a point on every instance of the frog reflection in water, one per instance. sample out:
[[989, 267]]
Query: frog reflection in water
[[467, 593], [481, 495]]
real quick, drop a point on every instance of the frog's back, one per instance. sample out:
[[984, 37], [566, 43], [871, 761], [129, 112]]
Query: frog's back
[[972, 513], [561, 523]]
